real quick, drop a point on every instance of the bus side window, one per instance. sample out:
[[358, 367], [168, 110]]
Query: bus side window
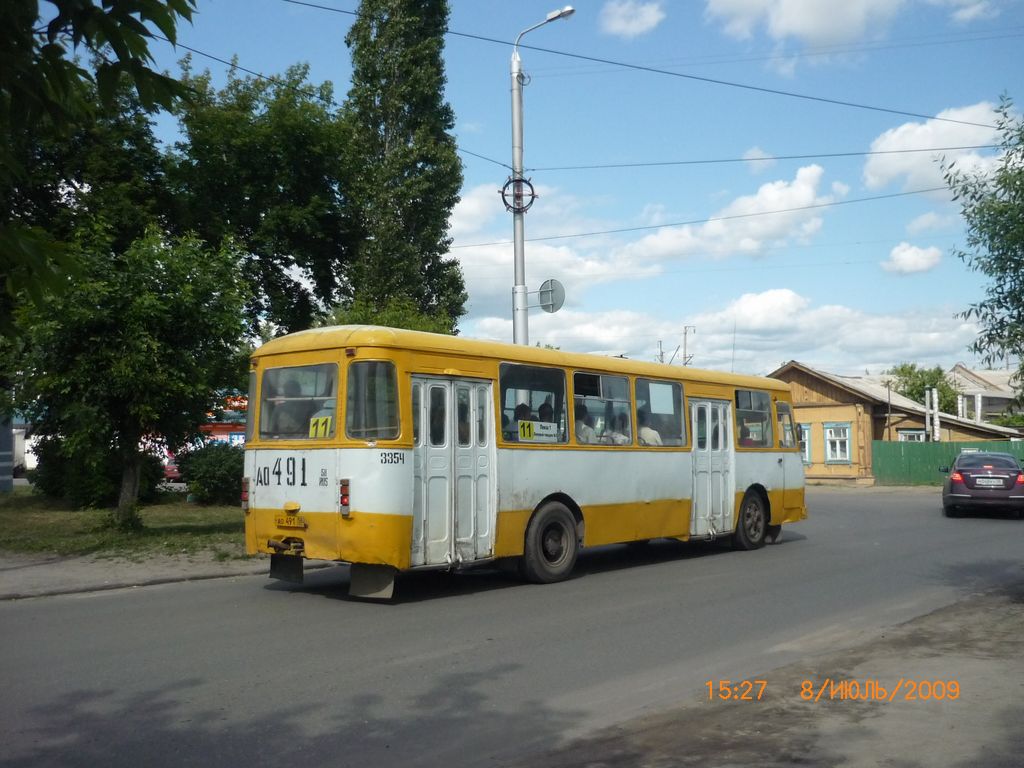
[[787, 435], [754, 419], [532, 404], [661, 402], [602, 409]]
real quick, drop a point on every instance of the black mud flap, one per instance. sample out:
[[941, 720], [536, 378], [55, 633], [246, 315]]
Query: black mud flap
[[373, 582], [286, 568]]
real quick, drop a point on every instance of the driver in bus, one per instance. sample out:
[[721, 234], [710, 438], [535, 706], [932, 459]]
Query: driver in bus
[[291, 414]]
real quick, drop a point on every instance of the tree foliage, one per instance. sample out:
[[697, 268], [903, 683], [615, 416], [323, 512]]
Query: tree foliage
[[134, 350], [262, 161], [43, 87], [992, 205], [406, 173], [397, 312], [911, 381]]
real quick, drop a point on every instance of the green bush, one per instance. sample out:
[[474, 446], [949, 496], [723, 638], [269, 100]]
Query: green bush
[[213, 473], [93, 481]]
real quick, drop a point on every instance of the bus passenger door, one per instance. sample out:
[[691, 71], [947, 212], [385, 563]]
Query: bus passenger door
[[453, 498], [712, 505]]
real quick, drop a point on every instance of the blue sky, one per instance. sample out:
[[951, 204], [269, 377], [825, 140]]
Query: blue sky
[[835, 281]]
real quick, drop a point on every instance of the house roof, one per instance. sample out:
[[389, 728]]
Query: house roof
[[992, 383], [873, 389]]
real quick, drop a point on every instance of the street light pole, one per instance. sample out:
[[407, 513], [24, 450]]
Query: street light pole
[[520, 329]]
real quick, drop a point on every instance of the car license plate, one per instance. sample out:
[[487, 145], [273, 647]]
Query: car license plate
[[989, 482], [290, 521]]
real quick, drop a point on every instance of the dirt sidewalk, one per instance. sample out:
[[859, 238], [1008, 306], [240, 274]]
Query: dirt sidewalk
[[41, 575], [977, 643]]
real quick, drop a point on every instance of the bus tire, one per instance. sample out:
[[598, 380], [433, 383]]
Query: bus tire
[[752, 523], [551, 546]]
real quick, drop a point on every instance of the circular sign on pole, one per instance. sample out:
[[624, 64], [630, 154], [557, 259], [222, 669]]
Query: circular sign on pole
[[551, 295], [518, 195]]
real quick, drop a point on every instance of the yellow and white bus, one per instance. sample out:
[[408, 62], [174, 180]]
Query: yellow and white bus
[[394, 450]]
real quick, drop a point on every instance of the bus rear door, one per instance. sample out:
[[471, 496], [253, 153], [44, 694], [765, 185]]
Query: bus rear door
[[454, 499]]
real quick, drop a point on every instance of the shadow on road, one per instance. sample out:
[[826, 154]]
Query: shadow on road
[[414, 587], [460, 720]]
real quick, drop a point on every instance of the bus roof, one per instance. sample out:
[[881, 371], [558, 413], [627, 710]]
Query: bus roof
[[341, 336]]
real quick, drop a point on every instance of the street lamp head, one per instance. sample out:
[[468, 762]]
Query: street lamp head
[[562, 14]]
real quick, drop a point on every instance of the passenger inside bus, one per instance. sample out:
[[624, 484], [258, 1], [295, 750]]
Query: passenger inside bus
[[545, 412], [618, 431], [584, 431], [647, 434]]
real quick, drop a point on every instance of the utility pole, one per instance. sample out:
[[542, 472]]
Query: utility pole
[[686, 330]]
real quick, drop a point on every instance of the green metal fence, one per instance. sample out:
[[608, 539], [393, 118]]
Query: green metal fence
[[918, 463]]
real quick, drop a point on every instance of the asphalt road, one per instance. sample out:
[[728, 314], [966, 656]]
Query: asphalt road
[[473, 669]]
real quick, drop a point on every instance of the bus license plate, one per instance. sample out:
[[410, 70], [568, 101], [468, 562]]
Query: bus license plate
[[290, 521]]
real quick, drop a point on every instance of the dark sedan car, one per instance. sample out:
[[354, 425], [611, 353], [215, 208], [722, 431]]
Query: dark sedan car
[[983, 481]]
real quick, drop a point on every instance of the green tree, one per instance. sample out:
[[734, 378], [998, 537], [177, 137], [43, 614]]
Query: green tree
[[134, 350], [262, 162], [44, 88], [911, 381], [992, 205], [396, 312], [406, 174]]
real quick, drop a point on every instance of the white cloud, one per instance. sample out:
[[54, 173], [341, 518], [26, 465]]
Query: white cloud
[[929, 222], [630, 18], [482, 232], [907, 259], [921, 170], [755, 333], [966, 11], [812, 22], [739, 228], [476, 210], [759, 161]]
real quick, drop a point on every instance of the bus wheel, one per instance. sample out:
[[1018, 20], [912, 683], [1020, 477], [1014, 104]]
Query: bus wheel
[[551, 545], [752, 523]]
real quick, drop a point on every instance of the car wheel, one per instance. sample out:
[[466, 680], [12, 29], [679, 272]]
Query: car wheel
[[950, 510], [752, 524], [551, 544]]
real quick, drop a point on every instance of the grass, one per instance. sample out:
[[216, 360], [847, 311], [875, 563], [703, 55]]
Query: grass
[[33, 523]]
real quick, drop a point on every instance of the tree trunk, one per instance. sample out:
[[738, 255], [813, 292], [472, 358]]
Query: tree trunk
[[127, 516]]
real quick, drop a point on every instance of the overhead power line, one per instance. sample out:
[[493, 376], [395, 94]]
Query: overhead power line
[[708, 220], [671, 73], [766, 158]]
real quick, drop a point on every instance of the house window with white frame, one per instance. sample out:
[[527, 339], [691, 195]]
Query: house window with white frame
[[837, 443], [805, 442], [910, 435]]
